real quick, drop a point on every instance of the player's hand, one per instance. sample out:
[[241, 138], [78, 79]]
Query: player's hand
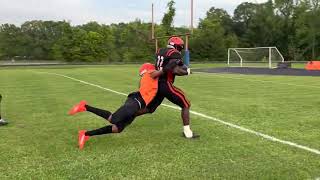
[[179, 62]]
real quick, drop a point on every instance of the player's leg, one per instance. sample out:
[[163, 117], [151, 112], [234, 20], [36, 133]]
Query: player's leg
[[99, 112], [2, 121], [126, 114], [104, 130], [177, 96], [82, 106], [120, 119], [153, 105]]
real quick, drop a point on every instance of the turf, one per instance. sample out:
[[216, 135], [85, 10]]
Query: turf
[[41, 140]]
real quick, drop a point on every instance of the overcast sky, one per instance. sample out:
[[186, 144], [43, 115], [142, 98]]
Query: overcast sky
[[107, 11]]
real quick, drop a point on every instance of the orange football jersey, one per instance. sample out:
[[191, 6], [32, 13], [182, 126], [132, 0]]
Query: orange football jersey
[[148, 87]]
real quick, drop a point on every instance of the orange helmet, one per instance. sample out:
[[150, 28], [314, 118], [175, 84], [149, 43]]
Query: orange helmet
[[146, 67], [176, 42]]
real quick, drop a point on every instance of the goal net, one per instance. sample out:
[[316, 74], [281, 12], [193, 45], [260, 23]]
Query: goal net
[[254, 57]]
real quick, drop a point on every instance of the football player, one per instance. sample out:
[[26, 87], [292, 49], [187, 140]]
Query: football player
[[2, 121], [166, 89], [128, 111]]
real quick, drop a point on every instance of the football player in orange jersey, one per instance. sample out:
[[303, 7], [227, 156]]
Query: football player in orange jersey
[[129, 110]]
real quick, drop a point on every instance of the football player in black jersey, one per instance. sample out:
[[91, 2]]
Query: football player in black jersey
[[166, 89]]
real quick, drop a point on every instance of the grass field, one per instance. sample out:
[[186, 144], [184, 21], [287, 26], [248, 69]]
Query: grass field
[[41, 140]]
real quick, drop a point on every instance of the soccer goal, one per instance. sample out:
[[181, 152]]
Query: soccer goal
[[254, 57]]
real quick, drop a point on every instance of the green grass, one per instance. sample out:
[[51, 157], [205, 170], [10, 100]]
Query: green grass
[[41, 140]]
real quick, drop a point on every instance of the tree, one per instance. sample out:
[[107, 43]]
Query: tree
[[211, 40], [42, 35], [167, 20], [285, 9], [242, 19], [308, 30], [263, 28], [12, 42], [222, 17], [291, 25]]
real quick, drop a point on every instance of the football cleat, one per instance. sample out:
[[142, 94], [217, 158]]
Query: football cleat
[[194, 136], [3, 122], [80, 107], [82, 138]]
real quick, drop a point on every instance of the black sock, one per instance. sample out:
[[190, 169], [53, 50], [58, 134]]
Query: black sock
[[100, 112], [100, 131]]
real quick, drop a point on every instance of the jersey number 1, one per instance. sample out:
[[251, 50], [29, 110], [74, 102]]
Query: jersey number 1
[[160, 62]]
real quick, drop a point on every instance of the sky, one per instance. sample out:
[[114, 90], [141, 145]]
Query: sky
[[107, 11]]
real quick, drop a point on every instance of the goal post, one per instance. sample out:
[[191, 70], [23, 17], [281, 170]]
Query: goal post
[[254, 57]]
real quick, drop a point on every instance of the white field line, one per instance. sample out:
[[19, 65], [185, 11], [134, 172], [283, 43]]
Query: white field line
[[255, 80], [265, 136]]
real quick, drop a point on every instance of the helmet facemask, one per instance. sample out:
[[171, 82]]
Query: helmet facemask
[[179, 47]]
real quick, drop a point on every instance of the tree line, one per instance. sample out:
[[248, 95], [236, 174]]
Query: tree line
[[291, 25]]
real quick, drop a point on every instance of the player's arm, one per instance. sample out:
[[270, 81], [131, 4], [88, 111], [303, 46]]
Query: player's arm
[[168, 67], [181, 69], [155, 74]]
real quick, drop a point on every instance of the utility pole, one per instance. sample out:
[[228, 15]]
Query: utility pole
[[191, 27], [152, 30]]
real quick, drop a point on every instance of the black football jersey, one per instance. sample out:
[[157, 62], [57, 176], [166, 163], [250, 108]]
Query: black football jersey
[[163, 56]]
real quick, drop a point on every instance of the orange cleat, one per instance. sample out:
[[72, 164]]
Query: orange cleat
[[82, 138], [78, 108]]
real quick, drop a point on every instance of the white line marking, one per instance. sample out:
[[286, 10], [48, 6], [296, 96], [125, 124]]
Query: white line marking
[[84, 82], [265, 136], [255, 80]]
